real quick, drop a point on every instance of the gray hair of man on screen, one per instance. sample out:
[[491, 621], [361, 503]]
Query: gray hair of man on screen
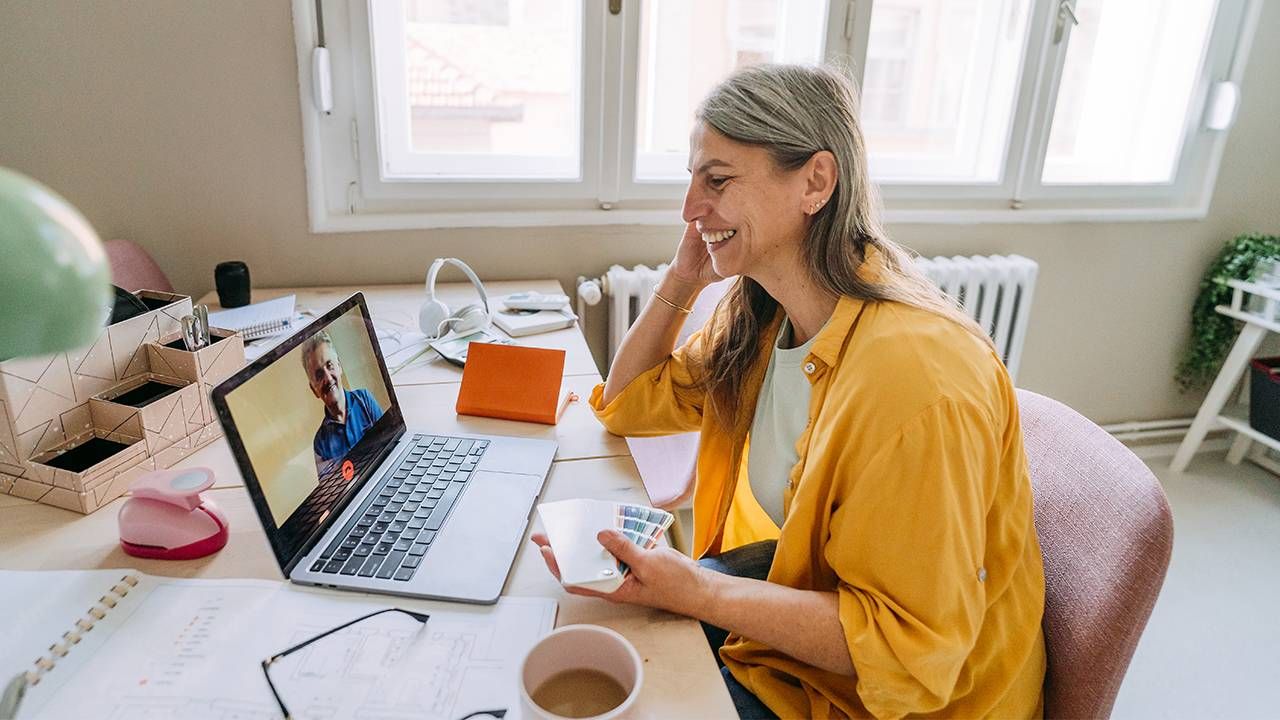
[[314, 342]]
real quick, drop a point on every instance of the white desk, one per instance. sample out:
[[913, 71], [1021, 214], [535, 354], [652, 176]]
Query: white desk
[[681, 677]]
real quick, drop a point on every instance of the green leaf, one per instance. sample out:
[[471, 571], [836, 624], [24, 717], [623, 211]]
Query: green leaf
[[1211, 333]]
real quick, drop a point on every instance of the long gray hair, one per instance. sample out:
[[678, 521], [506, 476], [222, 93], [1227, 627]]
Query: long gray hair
[[794, 111]]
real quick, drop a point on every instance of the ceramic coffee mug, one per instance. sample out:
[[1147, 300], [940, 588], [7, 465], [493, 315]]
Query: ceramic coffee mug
[[579, 670]]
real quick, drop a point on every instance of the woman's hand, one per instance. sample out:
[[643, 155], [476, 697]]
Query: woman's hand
[[652, 337], [660, 578], [692, 263]]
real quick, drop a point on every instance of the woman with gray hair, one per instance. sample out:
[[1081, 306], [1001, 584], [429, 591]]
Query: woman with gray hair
[[862, 508]]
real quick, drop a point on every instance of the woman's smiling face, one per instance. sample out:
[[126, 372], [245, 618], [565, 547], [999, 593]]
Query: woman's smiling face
[[749, 212]]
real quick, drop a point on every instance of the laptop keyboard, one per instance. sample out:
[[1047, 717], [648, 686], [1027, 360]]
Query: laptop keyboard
[[397, 522]]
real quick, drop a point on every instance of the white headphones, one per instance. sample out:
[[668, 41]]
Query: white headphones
[[436, 319]]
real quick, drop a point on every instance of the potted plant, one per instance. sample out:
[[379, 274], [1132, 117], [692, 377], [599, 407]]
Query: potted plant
[[1212, 333]]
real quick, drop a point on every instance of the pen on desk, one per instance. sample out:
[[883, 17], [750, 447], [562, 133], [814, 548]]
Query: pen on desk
[[569, 397]]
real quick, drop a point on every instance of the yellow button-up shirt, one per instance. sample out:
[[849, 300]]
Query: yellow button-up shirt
[[911, 500]]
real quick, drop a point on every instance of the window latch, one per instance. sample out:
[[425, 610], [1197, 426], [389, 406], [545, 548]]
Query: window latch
[[615, 7], [1065, 12]]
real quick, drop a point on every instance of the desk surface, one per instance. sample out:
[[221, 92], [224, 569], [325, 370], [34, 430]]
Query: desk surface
[[681, 675]]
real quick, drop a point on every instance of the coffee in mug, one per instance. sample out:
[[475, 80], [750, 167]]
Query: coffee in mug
[[579, 693], [581, 671]]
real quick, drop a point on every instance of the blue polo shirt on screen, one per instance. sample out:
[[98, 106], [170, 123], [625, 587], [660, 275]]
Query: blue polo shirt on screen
[[335, 439]]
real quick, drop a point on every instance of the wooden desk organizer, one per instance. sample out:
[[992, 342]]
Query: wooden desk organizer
[[77, 428]]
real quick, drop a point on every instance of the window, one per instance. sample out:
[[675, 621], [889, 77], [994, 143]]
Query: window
[[1126, 90], [527, 112]]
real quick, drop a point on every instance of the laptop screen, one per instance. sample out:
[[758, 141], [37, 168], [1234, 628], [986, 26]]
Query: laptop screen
[[308, 421]]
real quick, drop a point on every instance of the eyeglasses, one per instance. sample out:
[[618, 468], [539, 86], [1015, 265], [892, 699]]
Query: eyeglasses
[[420, 617]]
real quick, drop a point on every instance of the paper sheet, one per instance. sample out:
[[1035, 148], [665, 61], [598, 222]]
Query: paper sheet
[[193, 648]]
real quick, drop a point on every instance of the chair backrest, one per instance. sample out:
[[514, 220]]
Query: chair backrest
[[133, 269], [1106, 534]]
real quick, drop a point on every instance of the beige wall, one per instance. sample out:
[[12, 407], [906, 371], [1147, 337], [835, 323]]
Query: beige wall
[[177, 124]]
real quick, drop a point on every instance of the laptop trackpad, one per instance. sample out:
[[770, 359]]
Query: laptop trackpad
[[471, 557]]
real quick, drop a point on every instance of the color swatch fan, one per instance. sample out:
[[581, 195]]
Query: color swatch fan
[[572, 526]]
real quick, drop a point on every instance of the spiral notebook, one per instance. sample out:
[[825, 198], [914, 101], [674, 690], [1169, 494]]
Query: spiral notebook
[[119, 643], [257, 320]]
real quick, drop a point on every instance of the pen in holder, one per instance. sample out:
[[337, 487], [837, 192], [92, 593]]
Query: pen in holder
[[202, 323], [195, 329], [190, 336]]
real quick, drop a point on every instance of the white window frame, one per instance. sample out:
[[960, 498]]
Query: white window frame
[[347, 192]]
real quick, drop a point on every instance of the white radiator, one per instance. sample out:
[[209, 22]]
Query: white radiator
[[628, 292], [995, 291]]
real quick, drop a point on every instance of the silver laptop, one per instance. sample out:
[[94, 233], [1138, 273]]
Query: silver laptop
[[351, 498]]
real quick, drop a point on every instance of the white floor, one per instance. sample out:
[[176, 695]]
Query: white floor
[[1212, 647]]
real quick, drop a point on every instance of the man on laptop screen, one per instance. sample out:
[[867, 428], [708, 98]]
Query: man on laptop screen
[[347, 413]]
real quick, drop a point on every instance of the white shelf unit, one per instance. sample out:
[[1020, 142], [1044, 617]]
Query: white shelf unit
[[1211, 415]]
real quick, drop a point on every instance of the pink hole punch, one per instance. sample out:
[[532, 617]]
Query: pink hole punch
[[165, 517]]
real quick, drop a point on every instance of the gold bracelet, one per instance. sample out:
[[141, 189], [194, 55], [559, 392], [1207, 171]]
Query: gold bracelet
[[678, 308]]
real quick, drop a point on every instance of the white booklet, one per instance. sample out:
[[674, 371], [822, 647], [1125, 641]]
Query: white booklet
[[518, 323], [118, 643]]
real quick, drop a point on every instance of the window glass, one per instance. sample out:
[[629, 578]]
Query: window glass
[[1126, 87], [687, 47], [939, 87], [479, 88]]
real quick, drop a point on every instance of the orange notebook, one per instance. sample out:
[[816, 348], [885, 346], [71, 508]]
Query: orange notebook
[[511, 382]]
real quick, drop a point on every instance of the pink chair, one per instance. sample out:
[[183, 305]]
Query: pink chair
[[1106, 534], [133, 269]]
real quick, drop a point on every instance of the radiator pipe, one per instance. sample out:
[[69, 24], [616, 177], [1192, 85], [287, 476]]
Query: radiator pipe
[[1148, 429]]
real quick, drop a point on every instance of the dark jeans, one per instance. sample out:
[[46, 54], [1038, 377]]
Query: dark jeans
[[750, 561]]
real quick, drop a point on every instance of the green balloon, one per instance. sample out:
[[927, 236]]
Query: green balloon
[[55, 282]]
